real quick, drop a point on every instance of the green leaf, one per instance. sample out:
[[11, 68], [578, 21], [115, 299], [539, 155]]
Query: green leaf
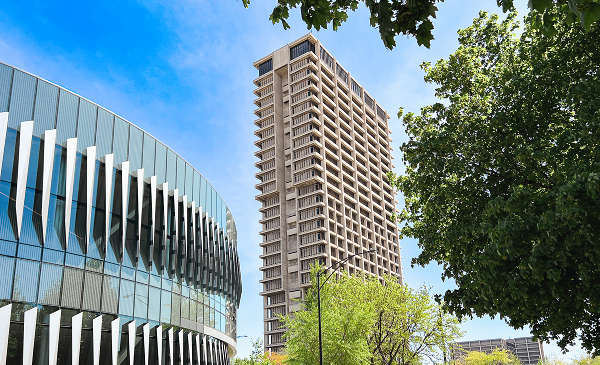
[[590, 15], [540, 5]]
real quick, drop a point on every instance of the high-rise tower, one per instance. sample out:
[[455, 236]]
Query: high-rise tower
[[324, 148]]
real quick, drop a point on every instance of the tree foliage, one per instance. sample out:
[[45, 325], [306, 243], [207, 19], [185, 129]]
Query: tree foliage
[[415, 17], [496, 357], [365, 321], [502, 179]]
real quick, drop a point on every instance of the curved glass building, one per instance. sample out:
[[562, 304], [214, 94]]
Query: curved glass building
[[113, 249]]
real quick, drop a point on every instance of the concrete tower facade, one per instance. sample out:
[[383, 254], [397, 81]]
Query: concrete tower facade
[[324, 148]]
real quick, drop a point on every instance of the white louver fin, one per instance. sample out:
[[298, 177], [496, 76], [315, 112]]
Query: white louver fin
[[91, 175], [70, 180], [49, 148], [25, 137]]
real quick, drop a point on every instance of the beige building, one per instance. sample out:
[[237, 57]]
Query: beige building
[[324, 148], [528, 351]]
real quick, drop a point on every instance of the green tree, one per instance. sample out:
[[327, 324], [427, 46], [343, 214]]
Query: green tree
[[366, 321], [409, 327], [345, 325], [415, 17], [496, 357], [502, 179]]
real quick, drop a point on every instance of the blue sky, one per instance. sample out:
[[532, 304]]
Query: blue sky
[[182, 70]]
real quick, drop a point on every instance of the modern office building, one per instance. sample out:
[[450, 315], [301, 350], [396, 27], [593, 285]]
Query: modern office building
[[324, 148], [113, 249], [528, 351]]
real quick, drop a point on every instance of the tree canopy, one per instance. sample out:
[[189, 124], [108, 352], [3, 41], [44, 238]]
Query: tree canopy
[[502, 179], [415, 17], [496, 357], [367, 322]]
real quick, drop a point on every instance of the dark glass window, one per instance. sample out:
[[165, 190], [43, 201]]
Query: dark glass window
[[300, 49], [265, 67], [141, 301]]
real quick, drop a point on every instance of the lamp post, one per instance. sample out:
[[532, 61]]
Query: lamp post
[[319, 286]]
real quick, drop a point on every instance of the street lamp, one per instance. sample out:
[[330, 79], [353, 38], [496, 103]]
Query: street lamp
[[319, 286]]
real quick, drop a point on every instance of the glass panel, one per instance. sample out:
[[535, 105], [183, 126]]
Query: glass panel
[[53, 256], [161, 163], [136, 137], [50, 284], [21, 99], [44, 113], [189, 181], [165, 313], [148, 155], [120, 140], [176, 310], [92, 292], [171, 169], [126, 298], [7, 265], [203, 203], [110, 294], [196, 188], [86, 125], [71, 294], [5, 81], [26, 281], [104, 133], [141, 301], [66, 121], [154, 304], [181, 175]]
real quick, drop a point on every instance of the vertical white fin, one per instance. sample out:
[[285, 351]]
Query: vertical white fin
[[25, 137], [140, 201], [53, 332], [184, 235], [153, 194], [97, 337], [108, 176], [180, 335], [76, 323], [198, 348], [91, 174], [125, 201], [159, 343], [3, 129], [49, 147], [176, 223], [171, 345], [190, 356], [165, 255], [115, 333], [4, 326], [146, 333], [131, 336], [29, 335], [70, 180]]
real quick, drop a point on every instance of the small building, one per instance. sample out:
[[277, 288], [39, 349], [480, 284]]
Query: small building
[[526, 349]]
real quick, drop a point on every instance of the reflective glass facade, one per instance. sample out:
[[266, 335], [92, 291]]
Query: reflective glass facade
[[113, 249]]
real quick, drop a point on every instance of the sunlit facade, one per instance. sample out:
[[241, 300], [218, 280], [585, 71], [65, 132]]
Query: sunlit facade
[[113, 249]]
